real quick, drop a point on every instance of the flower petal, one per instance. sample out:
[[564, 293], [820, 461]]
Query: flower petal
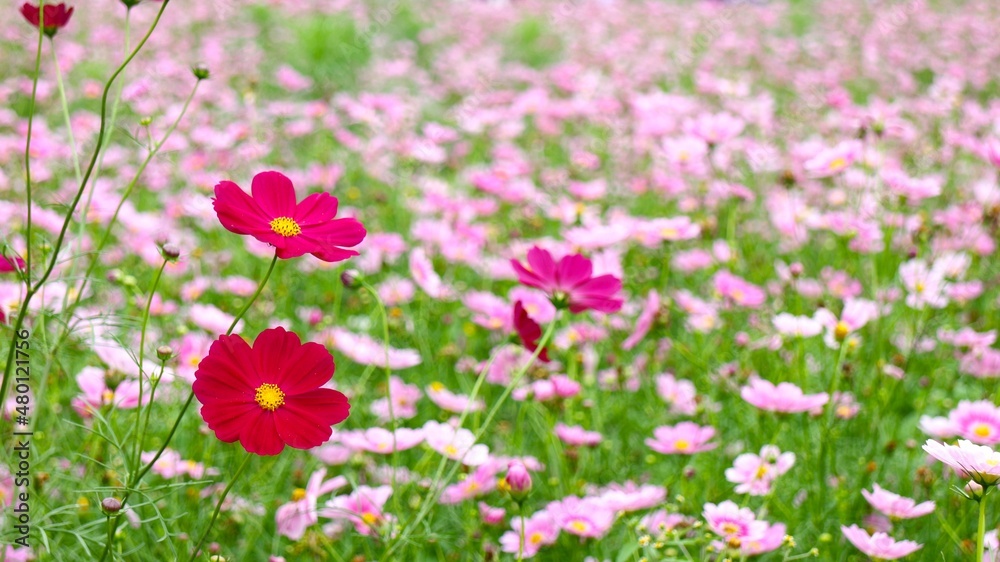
[[274, 192]]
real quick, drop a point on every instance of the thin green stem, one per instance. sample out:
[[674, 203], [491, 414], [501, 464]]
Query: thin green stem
[[218, 506], [66, 116], [27, 162], [520, 542], [388, 388], [260, 287], [142, 355], [981, 531]]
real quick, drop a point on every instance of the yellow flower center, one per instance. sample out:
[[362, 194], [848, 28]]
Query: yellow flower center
[[981, 430], [269, 396], [369, 518], [840, 331], [298, 494], [761, 472], [535, 538], [436, 386], [919, 287], [682, 445], [578, 526], [669, 233], [285, 227], [451, 450], [730, 529]]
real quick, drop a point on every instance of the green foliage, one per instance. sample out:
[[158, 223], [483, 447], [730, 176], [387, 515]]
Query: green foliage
[[532, 43]]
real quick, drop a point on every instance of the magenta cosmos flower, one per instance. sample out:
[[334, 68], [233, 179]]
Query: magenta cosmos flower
[[685, 438], [880, 545], [271, 215], [56, 16], [8, 266], [269, 395], [978, 462], [570, 283]]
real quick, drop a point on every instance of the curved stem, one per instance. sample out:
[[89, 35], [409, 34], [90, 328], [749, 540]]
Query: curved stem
[[260, 287], [218, 506], [388, 388], [142, 354], [66, 116], [32, 289]]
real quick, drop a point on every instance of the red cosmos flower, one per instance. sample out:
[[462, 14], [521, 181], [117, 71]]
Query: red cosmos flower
[[273, 216], [56, 16], [529, 331], [7, 266], [570, 283], [269, 395]]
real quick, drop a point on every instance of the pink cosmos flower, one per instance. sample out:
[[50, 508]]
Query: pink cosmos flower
[[584, 517], [456, 444], [273, 216], [490, 311], [856, 314], [739, 291], [645, 321], [368, 351], [97, 393], [577, 436], [925, 286], [679, 394], [491, 515], [785, 397], [451, 402], [482, 481], [363, 508], [880, 545], [539, 530], [686, 438], [978, 462], [662, 522], [293, 518], [570, 282], [739, 526], [714, 128], [797, 326], [426, 278], [630, 497], [754, 474], [978, 422], [894, 505], [382, 441], [404, 401], [834, 160]]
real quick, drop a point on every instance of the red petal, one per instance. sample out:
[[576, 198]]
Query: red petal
[[317, 208], [259, 435], [237, 211], [228, 420], [271, 351], [274, 192], [304, 421]]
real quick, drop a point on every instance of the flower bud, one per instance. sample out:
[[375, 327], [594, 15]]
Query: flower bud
[[111, 506], [164, 352], [351, 278], [170, 252], [518, 481], [973, 491], [200, 72]]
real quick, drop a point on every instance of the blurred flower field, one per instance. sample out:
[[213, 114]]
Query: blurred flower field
[[570, 280]]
